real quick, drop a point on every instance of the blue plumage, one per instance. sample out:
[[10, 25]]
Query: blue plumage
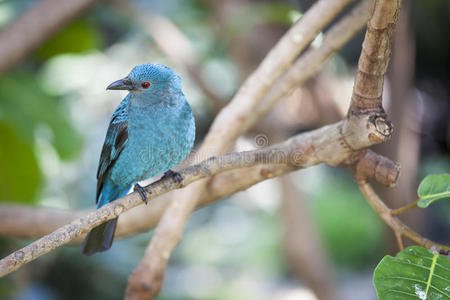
[[151, 131]]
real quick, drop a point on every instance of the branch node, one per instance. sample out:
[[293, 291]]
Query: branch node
[[118, 209], [383, 126], [19, 255], [368, 164]]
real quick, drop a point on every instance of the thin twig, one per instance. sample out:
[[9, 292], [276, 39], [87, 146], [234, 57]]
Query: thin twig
[[405, 208], [35, 222], [398, 237], [393, 222]]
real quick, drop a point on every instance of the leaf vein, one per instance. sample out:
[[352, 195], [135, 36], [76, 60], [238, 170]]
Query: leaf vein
[[398, 291], [416, 280], [411, 264], [433, 264]]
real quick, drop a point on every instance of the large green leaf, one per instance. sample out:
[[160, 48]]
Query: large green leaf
[[19, 171], [432, 188], [415, 273]]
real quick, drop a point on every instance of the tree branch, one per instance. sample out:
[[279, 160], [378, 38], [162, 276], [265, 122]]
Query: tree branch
[[366, 101], [398, 226], [405, 208], [374, 59], [31, 29], [367, 163], [34, 222]]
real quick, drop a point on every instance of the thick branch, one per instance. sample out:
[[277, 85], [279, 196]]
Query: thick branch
[[374, 59], [34, 222], [398, 226], [31, 29]]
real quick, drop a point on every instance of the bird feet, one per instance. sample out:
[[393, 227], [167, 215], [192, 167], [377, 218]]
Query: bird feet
[[138, 188], [175, 175]]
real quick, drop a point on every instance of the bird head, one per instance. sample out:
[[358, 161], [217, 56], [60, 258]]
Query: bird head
[[148, 78]]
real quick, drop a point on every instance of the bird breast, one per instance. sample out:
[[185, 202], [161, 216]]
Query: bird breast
[[159, 138]]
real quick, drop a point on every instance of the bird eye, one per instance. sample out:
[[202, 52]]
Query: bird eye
[[145, 84]]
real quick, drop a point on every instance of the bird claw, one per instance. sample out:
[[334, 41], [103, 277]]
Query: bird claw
[[138, 188], [175, 176]]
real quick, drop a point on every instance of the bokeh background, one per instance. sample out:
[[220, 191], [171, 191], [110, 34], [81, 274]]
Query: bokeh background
[[287, 238]]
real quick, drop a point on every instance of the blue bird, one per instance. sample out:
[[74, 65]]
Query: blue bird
[[151, 131]]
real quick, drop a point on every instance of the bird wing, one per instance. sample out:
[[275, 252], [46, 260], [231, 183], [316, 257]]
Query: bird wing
[[115, 141]]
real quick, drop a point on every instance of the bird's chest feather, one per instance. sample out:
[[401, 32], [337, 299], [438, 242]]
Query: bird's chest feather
[[158, 139]]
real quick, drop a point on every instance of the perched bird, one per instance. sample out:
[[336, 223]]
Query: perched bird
[[151, 131]]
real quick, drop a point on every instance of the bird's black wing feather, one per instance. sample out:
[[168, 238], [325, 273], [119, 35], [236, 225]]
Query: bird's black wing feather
[[115, 141]]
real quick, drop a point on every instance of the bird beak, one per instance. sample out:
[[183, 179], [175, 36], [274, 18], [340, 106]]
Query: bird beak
[[121, 84]]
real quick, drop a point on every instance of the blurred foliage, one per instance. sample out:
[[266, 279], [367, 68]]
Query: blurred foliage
[[19, 172], [79, 36], [254, 13], [350, 229], [27, 106], [88, 284], [28, 111], [57, 273], [431, 23], [251, 240]]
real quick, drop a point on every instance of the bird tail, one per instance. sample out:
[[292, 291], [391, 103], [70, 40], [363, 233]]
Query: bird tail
[[100, 238]]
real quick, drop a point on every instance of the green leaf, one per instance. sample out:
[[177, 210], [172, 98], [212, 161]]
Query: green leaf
[[415, 273], [432, 188], [19, 171]]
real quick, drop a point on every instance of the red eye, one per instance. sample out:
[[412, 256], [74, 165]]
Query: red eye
[[145, 84]]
